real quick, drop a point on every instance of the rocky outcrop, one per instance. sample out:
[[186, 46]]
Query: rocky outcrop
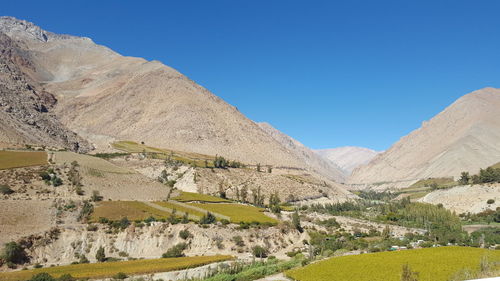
[[25, 109]]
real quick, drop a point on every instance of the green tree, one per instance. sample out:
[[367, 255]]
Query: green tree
[[464, 178], [274, 203], [296, 221], [208, 218], [259, 252], [100, 255], [44, 276], [14, 253], [176, 251]]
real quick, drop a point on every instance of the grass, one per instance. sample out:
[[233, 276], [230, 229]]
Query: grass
[[109, 269], [133, 210], [440, 182], [238, 212], [192, 197], [18, 159], [496, 166], [90, 164], [433, 264]]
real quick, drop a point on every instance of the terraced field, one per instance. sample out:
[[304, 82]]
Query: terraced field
[[133, 210], [180, 209], [18, 159], [439, 182], [238, 212], [89, 163], [433, 264], [109, 269], [194, 197]]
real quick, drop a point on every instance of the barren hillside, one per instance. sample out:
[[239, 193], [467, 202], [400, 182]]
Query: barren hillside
[[349, 157], [464, 137], [102, 93]]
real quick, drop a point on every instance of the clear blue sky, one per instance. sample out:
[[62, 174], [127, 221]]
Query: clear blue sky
[[328, 73]]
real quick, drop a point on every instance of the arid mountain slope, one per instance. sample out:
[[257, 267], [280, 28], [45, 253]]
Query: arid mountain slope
[[103, 94], [348, 157], [463, 137], [304, 153], [25, 110]]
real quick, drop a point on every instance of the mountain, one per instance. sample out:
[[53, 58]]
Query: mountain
[[104, 96], [463, 137], [348, 157], [26, 115], [304, 153]]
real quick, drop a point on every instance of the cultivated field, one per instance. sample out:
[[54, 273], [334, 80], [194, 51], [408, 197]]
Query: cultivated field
[[433, 264], [91, 164], [181, 210], [193, 197], [109, 269], [237, 212], [439, 182], [17, 159], [133, 210]]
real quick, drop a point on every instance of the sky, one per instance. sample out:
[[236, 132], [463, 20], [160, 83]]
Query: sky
[[327, 73]]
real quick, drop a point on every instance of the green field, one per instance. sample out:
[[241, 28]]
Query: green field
[[193, 197], [433, 264], [181, 210], [133, 210], [18, 159], [238, 212], [108, 269]]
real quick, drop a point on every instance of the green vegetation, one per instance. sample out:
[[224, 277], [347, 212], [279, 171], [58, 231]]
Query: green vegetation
[[238, 213], [111, 155], [133, 210], [488, 175], [180, 208], [433, 264], [197, 197], [18, 159], [110, 269], [176, 251], [13, 253], [5, 190]]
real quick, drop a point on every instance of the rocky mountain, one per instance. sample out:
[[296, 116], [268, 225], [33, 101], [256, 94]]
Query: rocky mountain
[[348, 157], [304, 153], [105, 96], [463, 137], [25, 111]]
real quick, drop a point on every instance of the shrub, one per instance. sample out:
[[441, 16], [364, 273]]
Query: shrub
[[207, 218], [100, 255], [44, 276], [238, 241], [490, 201], [259, 252], [96, 196], [83, 259], [66, 277], [37, 265], [14, 253], [120, 276], [5, 189], [176, 251], [184, 234]]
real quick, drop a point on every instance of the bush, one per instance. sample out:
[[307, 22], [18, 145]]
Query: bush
[[120, 276], [259, 252], [66, 277], [176, 251], [207, 219], [238, 241], [44, 276], [100, 255], [5, 190], [490, 201], [184, 234], [14, 253], [37, 265]]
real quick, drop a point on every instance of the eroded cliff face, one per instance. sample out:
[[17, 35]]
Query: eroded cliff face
[[25, 108]]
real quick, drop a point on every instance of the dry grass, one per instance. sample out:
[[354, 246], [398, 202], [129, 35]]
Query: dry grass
[[133, 210], [109, 269], [91, 164], [440, 182], [18, 159], [193, 197]]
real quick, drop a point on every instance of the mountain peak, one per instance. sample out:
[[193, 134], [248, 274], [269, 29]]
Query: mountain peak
[[22, 29]]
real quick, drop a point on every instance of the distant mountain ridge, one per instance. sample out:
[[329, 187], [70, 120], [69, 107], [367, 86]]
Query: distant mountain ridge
[[105, 96], [463, 137], [348, 157]]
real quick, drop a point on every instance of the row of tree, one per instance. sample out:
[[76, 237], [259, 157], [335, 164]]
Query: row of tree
[[488, 175]]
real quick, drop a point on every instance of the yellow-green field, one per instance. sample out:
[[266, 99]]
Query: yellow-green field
[[18, 159], [133, 210], [180, 209], [159, 153], [496, 166], [191, 196], [433, 264], [237, 212], [440, 182], [108, 269]]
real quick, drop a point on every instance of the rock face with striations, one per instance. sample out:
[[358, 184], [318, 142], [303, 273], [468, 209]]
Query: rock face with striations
[[25, 108], [463, 137]]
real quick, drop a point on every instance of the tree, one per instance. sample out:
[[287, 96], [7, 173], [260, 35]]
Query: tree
[[259, 252], [96, 196], [408, 274], [222, 190], [274, 203], [258, 167], [6, 190], [208, 218], [176, 251], [14, 253], [44, 276], [269, 169], [296, 221], [464, 178], [100, 255], [244, 194]]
